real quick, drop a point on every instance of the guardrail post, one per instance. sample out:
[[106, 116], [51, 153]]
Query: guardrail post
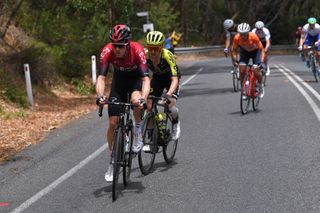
[[28, 83], [94, 69]]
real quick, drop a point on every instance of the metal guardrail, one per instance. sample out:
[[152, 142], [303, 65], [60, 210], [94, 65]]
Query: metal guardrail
[[217, 48]]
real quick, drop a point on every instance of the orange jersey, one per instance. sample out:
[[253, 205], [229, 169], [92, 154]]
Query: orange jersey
[[252, 43]]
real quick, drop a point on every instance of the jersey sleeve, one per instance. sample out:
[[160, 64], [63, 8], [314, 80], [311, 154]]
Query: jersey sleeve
[[104, 60], [171, 60], [267, 33], [235, 43], [142, 60]]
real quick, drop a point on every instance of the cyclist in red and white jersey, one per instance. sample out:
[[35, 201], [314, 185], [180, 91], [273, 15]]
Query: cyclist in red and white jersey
[[131, 75], [309, 36], [265, 37]]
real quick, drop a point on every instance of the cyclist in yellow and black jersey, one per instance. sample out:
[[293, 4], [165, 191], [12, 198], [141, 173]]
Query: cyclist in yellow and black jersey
[[165, 75]]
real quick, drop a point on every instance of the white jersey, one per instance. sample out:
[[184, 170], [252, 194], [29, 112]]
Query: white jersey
[[312, 32], [262, 34]]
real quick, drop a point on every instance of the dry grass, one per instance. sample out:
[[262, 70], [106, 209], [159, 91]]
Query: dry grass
[[22, 128]]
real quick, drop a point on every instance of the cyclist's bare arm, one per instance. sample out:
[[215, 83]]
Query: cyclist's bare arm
[[173, 86], [100, 85], [145, 87]]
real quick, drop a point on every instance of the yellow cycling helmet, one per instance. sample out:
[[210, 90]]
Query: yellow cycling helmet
[[155, 38]]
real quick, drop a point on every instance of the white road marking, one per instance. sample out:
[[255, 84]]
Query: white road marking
[[313, 105], [191, 77], [54, 184]]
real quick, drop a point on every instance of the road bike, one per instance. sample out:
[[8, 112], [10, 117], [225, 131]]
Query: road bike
[[235, 78], [157, 132], [312, 51], [122, 144], [250, 92]]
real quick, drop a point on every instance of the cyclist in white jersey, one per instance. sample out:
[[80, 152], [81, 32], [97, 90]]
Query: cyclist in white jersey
[[264, 35], [310, 35]]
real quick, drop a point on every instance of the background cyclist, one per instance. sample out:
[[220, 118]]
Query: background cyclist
[[130, 76], [265, 37], [249, 46], [309, 36], [165, 75], [230, 31]]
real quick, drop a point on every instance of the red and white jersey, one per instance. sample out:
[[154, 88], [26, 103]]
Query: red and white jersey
[[135, 60]]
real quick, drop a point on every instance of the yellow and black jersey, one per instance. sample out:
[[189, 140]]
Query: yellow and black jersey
[[167, 65]]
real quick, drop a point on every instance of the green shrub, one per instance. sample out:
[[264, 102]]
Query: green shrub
[[16, 95]]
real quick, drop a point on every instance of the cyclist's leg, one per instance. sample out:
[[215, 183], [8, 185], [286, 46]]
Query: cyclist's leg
[[243, 62], [175, 112], [256, 61]]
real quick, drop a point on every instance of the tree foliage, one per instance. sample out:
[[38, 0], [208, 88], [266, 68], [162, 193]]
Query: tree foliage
[[70, 31]]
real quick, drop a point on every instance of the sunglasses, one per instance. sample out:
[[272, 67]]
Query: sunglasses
[[154, 48], [119, 45]]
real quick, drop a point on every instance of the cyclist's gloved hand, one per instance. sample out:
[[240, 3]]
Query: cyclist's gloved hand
[[100, 99], [142, 102], [226, 50], [317, 43], [266, 49], [300, 48]]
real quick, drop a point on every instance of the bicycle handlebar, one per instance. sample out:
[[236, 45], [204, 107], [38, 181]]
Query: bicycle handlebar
[[155, 98], [118, 104]]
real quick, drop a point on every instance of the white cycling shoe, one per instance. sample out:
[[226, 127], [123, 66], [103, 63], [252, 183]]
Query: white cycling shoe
[[109, 174]]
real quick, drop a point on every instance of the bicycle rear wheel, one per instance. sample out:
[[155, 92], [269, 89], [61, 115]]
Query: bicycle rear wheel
[[150, 146], [245, 96], [170, 147], [116, 164], [128, 155]]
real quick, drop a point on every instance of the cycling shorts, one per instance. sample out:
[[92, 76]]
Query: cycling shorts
[[310, 40], [245, 56], [161, 82], [121, 89]]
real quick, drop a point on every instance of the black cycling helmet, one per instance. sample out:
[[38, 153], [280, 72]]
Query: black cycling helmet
[[120, 34]]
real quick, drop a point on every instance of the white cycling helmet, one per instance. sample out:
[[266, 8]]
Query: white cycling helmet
[[243, 28], [259, 25], [227, 24]]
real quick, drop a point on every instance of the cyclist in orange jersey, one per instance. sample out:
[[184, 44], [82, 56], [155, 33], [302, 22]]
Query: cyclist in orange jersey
[[250, 47]]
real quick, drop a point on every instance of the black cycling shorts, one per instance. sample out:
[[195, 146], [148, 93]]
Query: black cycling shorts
[[121, 89], [245, 56], [159, 83]]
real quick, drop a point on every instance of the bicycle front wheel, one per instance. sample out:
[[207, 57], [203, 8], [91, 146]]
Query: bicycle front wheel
[[117, 161], [245, 96], [150, 145], [314, 68], [127, 138], [170, 147]]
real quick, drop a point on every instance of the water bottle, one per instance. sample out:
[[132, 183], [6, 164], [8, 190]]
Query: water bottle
[[161, 119]]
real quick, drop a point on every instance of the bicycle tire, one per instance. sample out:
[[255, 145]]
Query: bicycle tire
[[245, 102], [314, 68], [255, 101], [128, 155], [116, 163], [170, 147], [150, 137]]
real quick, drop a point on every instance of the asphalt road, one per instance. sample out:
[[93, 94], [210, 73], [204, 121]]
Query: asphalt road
[[265, 161]]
